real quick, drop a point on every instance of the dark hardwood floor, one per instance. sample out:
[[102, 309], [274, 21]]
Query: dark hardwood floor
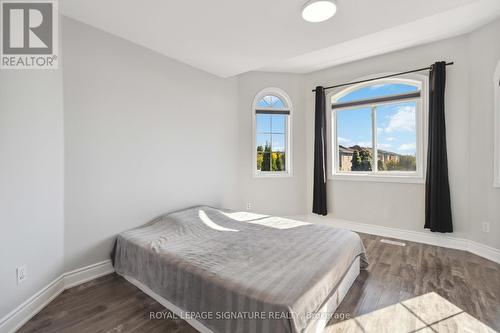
[[400, 274], [107, 304], [383, 296]]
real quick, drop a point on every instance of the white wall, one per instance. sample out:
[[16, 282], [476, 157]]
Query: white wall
[[31, 182], [469, 118], [281, 195], [484, 199], [144, 135]]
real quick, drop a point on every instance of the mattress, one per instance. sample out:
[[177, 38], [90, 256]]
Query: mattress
[[238, 271]]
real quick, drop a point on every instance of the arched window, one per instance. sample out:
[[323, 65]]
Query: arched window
[[271, 133], [496, 85], [378, 130]]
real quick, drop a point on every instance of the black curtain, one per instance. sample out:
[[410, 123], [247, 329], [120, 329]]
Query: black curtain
[[319, 192], [437, 188]]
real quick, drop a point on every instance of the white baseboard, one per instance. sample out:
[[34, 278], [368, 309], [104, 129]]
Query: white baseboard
[[425, 237], [28, 309], [484, 251], [85, 274]]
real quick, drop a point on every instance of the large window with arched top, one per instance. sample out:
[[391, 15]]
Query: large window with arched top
[[271, 133], [377, 130]]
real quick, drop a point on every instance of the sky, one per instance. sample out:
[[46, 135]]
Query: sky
[[271, 128], [396, 123], [396, 130]]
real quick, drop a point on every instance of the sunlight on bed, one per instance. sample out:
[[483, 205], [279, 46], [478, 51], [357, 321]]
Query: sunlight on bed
[[211, 224], [425, 313], [243, 216], [265, 220]]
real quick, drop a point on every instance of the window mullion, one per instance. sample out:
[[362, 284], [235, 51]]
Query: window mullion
[[271, 145], [374, 139], [287, 139]]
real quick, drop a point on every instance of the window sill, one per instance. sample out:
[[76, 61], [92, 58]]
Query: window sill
[[413, 179], [272, 174]]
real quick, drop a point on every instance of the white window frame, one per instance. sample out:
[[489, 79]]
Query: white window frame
[[496, 87], [421, 132], [288, 130]]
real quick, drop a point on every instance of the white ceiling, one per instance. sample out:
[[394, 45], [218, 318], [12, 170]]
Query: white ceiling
[[229, 37]]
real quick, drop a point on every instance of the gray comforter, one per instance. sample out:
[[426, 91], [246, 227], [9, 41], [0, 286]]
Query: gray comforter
[[237, 271]]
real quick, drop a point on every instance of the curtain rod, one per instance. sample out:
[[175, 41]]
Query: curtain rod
[[382, 77]]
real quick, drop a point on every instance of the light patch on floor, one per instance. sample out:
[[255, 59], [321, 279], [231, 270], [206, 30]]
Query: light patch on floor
[[388, 241], [422, 314]]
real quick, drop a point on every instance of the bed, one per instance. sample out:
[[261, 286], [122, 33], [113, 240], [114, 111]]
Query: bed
[[226, 271]]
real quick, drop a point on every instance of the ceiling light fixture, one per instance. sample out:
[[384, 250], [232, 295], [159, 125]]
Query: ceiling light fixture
[[319, 10]]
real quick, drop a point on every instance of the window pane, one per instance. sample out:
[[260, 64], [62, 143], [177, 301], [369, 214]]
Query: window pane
[[354, 139], [397, 137], [260, 158], [263, 143], [378, 90], [266, 162], [271, 101], [278, 161], [278, 122], [263, 122], [278, 143], [263, 140]]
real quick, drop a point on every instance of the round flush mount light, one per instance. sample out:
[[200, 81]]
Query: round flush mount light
[[319, 10]]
